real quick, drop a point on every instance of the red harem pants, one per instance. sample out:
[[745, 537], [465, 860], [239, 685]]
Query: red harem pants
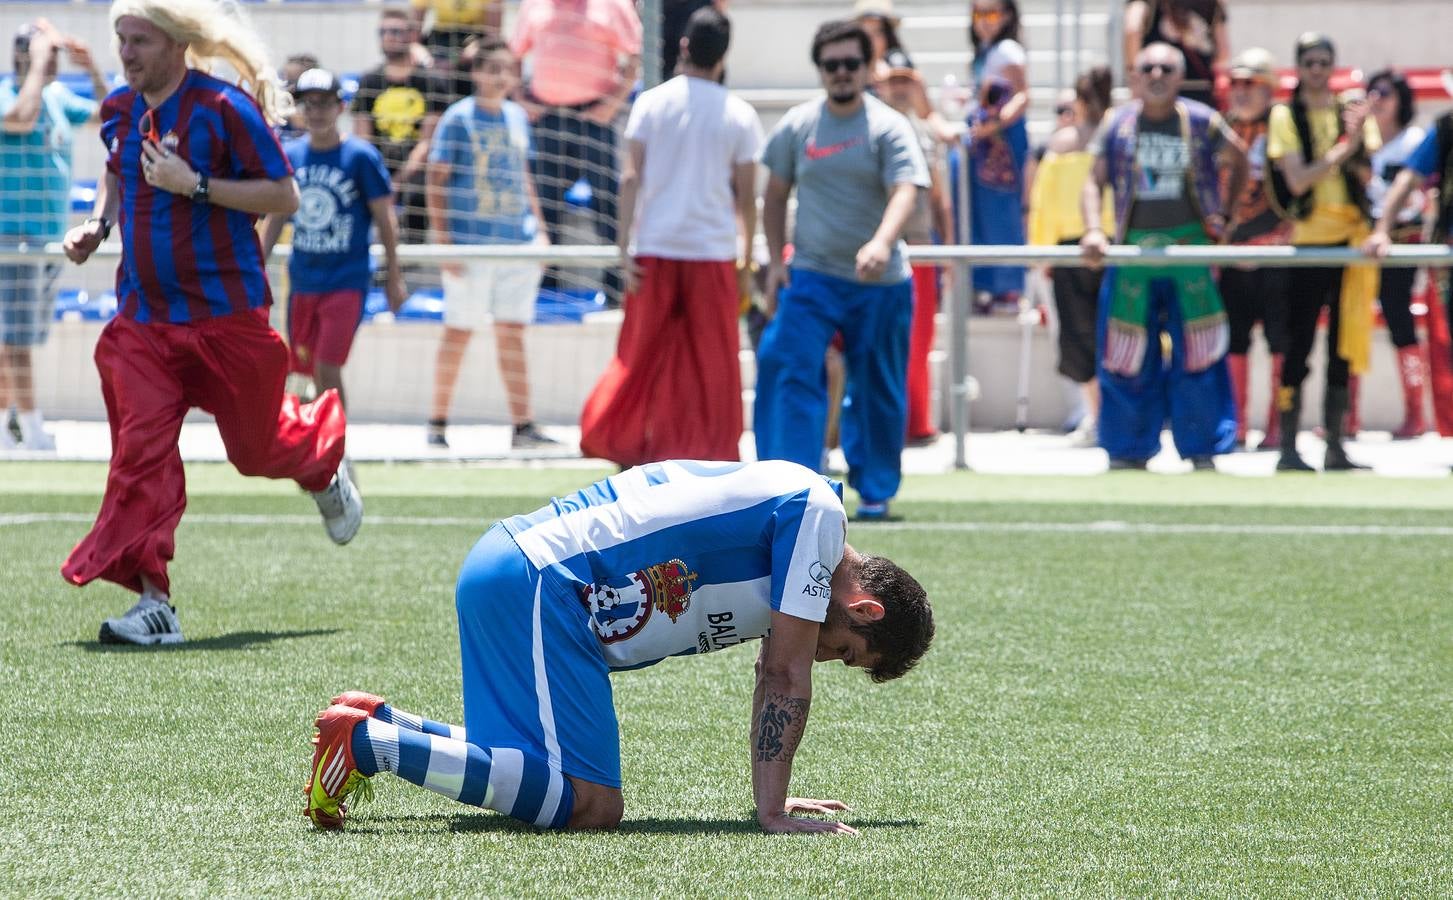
[[151, 375], [674, 388], [920, 341]]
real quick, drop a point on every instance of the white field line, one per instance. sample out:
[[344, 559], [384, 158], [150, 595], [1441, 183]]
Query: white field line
[[1110, 526]]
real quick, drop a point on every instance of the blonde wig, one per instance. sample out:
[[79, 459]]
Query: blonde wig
[[216, 30]]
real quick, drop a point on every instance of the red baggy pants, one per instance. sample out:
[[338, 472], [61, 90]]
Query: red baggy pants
[[674, 388], [920, 341], [151, 375]]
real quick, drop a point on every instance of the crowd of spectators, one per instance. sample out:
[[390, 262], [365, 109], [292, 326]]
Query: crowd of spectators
[[484, 136]]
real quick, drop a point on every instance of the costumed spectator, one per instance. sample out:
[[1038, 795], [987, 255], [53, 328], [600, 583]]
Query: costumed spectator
[[1390, 103], [481, 192], [191, 326], [1055, 218], [343, 189], [1255, 293], [1197, 28], [1162, 155], [931, 222], [998, 147], [881, 24], [690, 172], [1319, 147], [583, 57], [1430, 162], [38, 119], [455, 23], [857, 170], [397, 108]]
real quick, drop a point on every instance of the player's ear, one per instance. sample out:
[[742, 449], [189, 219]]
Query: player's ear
[[864, 608]]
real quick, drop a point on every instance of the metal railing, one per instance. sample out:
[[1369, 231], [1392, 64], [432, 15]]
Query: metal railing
[[960, 257]]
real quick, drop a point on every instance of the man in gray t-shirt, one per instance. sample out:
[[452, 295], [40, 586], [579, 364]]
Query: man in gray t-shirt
[[857, 168]]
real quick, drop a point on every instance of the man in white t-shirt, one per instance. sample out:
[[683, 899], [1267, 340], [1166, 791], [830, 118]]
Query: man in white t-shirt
[[674, 389]]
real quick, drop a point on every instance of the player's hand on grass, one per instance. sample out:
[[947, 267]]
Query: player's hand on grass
[[82, 241], [787, 821]]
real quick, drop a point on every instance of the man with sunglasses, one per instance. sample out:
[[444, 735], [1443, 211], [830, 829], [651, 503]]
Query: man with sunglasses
[[38, 118], [857, 168], [1319, 147], [397, 107], [1163, 155], [192, 161]]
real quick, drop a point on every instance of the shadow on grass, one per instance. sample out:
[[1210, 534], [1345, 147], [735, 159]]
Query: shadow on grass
[[490, 823], [237, 640]]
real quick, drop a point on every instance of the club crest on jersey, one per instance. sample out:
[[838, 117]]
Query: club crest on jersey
[[619, 611], [170, 140]]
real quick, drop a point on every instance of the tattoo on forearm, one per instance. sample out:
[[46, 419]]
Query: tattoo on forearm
[[780, 728]]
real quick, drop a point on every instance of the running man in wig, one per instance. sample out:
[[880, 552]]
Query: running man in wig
[[670, 559], [192, 161]]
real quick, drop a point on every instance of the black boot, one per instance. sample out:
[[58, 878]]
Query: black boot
[[1332, 412], [1289, 413]]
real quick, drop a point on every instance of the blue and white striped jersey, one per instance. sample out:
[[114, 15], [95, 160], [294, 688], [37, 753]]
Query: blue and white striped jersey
[[683, 557]]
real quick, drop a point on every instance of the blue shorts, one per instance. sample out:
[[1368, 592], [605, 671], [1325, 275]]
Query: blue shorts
[[534, 676], [27, 302]]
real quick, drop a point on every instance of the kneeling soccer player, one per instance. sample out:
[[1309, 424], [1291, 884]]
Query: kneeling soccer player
[[668, 559]]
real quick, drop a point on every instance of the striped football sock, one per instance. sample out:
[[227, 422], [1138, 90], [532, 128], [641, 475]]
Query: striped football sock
[[415, 722], [503, 779]]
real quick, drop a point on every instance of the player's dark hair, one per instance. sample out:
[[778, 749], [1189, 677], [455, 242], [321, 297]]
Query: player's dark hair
[[842, 30], [708, 34], [902, 636]]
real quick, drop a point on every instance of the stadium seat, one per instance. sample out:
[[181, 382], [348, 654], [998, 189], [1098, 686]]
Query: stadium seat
[[83, 196], [73, 305], [558, 307]]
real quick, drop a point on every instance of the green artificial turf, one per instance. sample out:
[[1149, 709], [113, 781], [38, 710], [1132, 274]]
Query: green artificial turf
[[1250, 698]]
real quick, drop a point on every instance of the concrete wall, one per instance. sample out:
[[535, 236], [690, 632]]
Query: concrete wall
[[389, 376]]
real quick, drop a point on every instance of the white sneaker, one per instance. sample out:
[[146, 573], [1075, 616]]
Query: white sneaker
[[42, 441], [1086, 434], [148, 622], [33, 435], [341, 506]]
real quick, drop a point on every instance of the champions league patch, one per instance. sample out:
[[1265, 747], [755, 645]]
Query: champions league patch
[[619, 611]]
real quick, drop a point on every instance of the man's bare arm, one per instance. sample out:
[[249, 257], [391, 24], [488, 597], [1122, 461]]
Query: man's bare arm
[[781, 702]]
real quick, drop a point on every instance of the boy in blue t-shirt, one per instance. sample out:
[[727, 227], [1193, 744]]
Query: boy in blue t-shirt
[[480, 192], [344, 188]]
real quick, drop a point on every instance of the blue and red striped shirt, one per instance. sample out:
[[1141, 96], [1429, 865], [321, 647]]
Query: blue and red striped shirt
[[183, 261]]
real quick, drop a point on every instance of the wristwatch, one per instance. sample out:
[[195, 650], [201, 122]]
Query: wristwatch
[[105, 225], [201, 193]]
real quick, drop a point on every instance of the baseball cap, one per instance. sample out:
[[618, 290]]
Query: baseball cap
[[1256, 64], [317, 81]]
